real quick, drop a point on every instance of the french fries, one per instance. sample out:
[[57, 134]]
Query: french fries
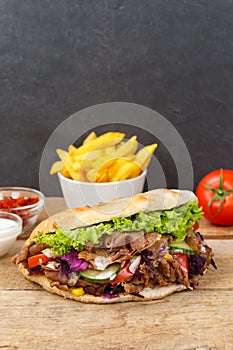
[[104, 158], [56, 167], [90, 137]]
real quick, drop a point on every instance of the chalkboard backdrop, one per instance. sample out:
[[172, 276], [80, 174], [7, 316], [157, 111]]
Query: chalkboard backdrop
[[58, 57]]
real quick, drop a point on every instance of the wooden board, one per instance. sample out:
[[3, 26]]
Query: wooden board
[[211, 231], [31, 318]]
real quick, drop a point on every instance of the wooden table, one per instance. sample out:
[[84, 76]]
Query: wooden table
[[31, 318]]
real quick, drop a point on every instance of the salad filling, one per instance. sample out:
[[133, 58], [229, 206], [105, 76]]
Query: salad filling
[[123, 261], [175, 221]]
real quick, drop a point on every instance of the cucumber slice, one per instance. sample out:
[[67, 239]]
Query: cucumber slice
[[181, 247], [101, 276]]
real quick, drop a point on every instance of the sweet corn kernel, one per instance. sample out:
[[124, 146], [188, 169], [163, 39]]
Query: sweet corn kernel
[[168, 257], [78, 291]]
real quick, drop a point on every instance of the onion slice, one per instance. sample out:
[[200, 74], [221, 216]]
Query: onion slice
[[135, 263], [49, 253]]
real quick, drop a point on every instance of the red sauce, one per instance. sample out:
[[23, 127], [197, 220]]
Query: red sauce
[[9, 202]]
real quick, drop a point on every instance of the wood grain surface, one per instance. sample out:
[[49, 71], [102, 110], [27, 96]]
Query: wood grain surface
[[31, 318]]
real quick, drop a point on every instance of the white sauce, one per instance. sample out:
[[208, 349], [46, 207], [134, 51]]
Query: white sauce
[[7, 226], [135, 263], [6, 223], [101, 263]]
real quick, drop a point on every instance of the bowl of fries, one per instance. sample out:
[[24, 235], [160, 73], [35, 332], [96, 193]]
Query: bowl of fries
[[103, 168], [79, 194]]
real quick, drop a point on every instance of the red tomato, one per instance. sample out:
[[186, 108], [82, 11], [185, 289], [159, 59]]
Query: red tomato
[[37, 260], [123, 275], [196, 226], [215, 195], [182, 260]]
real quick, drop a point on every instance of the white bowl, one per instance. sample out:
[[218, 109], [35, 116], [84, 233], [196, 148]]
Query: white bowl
[[10, 229], [79, 194]]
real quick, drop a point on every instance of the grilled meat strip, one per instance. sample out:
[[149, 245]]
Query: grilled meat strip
[[157, 265], [122, 246]]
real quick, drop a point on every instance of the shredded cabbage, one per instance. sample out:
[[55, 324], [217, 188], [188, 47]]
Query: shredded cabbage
[[70, 262]]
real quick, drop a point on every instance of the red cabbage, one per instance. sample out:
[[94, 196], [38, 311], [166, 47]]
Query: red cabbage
[[70, 262], [64, 268], [201, 239], [35, 270], [110, 296], [147, 258], [113, 289], [213, 263], [196, 265]]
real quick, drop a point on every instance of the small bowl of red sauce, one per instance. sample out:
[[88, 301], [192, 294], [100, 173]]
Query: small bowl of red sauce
[[24, 202]]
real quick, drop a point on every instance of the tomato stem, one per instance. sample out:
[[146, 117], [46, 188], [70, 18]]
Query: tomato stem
[[221, 181], [220, 192]]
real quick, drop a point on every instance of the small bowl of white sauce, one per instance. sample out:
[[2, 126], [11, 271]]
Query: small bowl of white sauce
[[10, 229]]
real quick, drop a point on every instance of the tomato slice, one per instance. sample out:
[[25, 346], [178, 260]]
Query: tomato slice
[[196, 226], [123, 275], [37, 260], [182, 259]]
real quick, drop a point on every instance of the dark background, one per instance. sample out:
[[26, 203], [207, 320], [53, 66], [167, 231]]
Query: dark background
[[58, 57]]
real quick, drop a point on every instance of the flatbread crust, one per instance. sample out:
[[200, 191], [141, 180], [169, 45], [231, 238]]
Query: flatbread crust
[[147, 293], [159, 199]]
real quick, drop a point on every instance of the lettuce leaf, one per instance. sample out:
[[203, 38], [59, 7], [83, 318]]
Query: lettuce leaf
[[175, 221]]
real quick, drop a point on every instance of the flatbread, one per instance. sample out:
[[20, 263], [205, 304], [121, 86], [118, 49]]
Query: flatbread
[[147, 293], [159, 199]]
